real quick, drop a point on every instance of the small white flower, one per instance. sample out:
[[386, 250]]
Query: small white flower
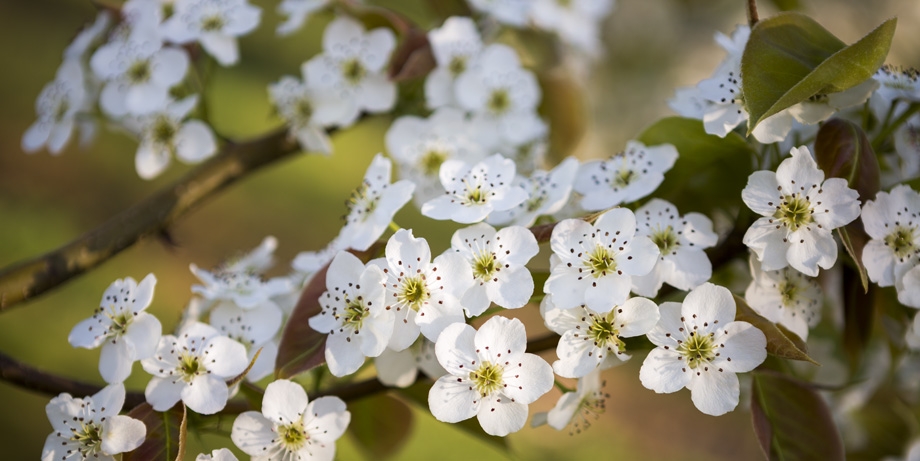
[[786, 297], [455, 45], [511, 12], [297, 12], [475, 191], [588, 401], [245, 289], [575, 21], [424, 294], [354, 314], [253, 328], [895, 84], [592, 340], [352, 67], [892, 221], [166, 132], [57, 107], [701, 348], [681, 241], [499, 266], [821, 106], [489, 376], [800, 209], [907, 149], [596, 262], [400, 368], [91, 428], [221, 454], [547, 193], [215, 24], [193, 366], [908, 288], [625, 177], [120, 325], [306, 111], [290, 426], [373, 204], [257, 261], [689, 102]]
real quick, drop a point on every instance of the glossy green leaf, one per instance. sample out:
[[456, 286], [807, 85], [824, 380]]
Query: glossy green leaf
[[780, 341], [380, 424], [791, 420], [163, 433], [790, 58], [703, 161]]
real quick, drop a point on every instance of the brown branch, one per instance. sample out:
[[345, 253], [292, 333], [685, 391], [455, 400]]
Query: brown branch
[[27, 279], [752, 12]]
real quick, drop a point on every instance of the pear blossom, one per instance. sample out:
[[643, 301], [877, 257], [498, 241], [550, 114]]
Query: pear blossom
[[577, 22], [307, 112], [907, 148], [354, 314], [475, 191], [245, 289], [373, 204], [587, 401], [220, 454], [256, 261], [701, 348], [420, 146], [689, 102], [57, 107], [91, 428], [821, 106], [489, 376], [400, 368], [297, 12], [800, 209], [290, 426], [455, 45], [592, 340], [503, 98], [499, 266], [625, 177], [895, 84], [596, 263], [908, 288], [120, 325], [215, 24], [424, 294], [892, 221], [786, 297], [193, 366], [511, 12], [681, 241], [253, 328], [548, 192], [352, 68], [166, 132]]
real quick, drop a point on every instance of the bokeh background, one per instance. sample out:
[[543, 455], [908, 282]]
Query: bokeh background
[[45, 201]]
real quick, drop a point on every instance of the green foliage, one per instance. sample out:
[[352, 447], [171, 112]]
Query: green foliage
[[380, 424], [790, 58]]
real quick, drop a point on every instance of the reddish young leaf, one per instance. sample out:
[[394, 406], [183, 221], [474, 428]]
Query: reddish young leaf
[[302, 348]]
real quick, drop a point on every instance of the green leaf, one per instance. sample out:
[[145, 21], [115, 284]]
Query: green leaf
[[380, 424], [790, 58], [163, 433], [703, 161], [780, 341]]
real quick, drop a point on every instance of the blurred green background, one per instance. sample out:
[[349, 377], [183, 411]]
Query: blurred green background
[[45, 201]]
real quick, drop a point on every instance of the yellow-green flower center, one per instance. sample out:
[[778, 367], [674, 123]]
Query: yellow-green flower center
[[788, 292], [666, 240], [499, 102], [353, 71], [794, 212], [457, 65], [431, 162], [89, 436], [293, 436], [484, 265], [601, 261], [414, 292], [163, 130], [487, 378], [139, 71], [697, 349], [624, 177], [901, 241], [355, 313], [475, 195], [212, 23], [120, 323], [304, 109], [190, 366], [604, 333]]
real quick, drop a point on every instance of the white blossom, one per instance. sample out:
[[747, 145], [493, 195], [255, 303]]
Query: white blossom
[[193, 366], [800, 209], [701, 348], [120, 325], [892, 221], [455, 45], [91, 428], [625, 177], [306, 111], [400, 368], [681, 241], [588, 401], [489, 376], [908, 288], [253, 328], [474, 191], [352, 67], [220, 454], [290, 426], [786, 297], [499, 266], [57, 107], [297, 12], [215, 24], [257, 261], [548, 192], [577, 22], [821, 106], [907, 149], [245, 289], [511, 12], [354, 314], [373, 204], [596, 262], [895, 84]]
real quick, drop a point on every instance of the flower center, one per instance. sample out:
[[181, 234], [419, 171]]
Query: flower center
[[362, 202], [666, 240], [457, 65], [89, 436], [788, 292], [499, 101], [120, 324], [431, 162], [304, 109], [901, 242], [293, 436], [484, 265], [487, 378], [604, 333], [794, 212], [61, 109], [355, 313], [601, 261], [624, 177], [212, 23], [139, 72], [697, 349], [475, 195], [190, 366], [414, 292], [163, 130], [353, 71]]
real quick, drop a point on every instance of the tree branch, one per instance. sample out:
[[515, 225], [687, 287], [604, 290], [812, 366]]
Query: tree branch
[[27, 279], [752, 12]]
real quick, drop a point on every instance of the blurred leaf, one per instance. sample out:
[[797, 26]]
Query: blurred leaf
[[183, 433], [703, 160], [537, 49], [790, 58], [302, 348], [418, 394], [163, 429], [791, 420], [780, 341], [245, 372], [413, 58], [565, 109], [380, 424], [858, 316], [786, 5]]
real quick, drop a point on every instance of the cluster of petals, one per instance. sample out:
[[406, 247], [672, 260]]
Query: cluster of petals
[[786, 297], [401, 368], [625, 177], [373, 204], [891, 257], [547, 193], [297, 12], [576, 408], [475, 191], [215, 24]]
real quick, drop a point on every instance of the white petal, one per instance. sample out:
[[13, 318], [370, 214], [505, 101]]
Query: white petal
[[455, 349], [89, 333], [109, 400], [343, 357], [637, 316], [451, 401], [224, 357], [396, 369], [163, 393], [809, 249], [528, 379], [709, 304], [879, 261], [36, 136], [578, 355], [121, 434], [144, 334], [150, 161], [145, 98], [195, 142], [664, 372], [713, 392], [284, 402], [501, 416], [381, 42], [252, 433], [378, 94], [745, 345], [500, 339], [115, 360], [761, 194], [223, 47], [206, 394], [328, 415], [168, 66]]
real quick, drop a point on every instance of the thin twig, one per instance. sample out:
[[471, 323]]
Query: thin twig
[[752, 12]]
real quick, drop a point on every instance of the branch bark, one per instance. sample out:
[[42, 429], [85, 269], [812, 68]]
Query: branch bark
[[27, 279]]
